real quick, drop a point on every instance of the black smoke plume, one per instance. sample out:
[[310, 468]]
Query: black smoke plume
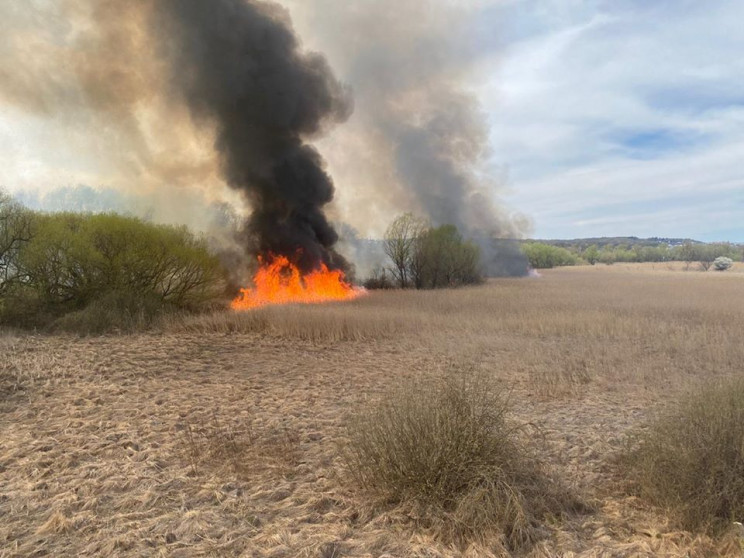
[[239, 66]]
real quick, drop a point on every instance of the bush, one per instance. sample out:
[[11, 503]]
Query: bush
[[722, 263], [94, 266], [446, 448], [442, 258], [379, 279], [430, 257], [544, 256], [690, 460]]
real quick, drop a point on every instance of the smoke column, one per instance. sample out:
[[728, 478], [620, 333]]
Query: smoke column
[[239, 66], [151, 96], [418, 135]]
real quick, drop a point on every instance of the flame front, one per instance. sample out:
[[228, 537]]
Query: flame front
[[279, 281]]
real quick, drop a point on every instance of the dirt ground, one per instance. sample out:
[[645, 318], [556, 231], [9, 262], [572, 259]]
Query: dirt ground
[[221, 437]]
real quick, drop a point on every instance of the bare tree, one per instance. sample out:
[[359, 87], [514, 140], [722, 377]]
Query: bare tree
[[400, 239]]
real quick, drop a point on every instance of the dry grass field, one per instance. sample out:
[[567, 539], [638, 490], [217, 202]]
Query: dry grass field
[[221, 435]]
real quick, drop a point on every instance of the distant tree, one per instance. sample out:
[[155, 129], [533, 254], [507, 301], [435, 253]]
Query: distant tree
[[607, 256], [591, 254], [687, 253], [442, 258], [400, 239], [624, 254], [722, 263], [544, 256], [725, 249], [658, 253]]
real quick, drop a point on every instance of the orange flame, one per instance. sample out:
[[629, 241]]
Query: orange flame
[[280, 282]]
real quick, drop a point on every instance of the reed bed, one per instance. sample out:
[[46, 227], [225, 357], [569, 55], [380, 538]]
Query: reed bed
[[221, 434]]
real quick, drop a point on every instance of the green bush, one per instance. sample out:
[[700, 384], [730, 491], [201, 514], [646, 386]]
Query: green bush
[[446, 448], [690, 460], [544, 256], [89, 267], [442, 258], [15, 232]]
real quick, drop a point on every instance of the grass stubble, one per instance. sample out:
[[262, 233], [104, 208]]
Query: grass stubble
[[224, 434]]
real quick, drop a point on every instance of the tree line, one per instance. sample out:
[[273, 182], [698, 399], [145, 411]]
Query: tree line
[[542, 255]]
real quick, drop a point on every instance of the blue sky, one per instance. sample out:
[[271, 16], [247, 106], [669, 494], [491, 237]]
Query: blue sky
[[619, 117]]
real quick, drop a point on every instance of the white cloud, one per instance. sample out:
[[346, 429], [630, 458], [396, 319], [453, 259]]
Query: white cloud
[[573, 95]]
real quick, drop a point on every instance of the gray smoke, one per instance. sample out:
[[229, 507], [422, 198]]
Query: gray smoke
[[426, 138], [238, 64]]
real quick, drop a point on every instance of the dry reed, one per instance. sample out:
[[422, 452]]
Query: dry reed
[[690, 459], [93, 458]]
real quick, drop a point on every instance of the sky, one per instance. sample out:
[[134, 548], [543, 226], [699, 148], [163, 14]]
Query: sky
[[606, 118], [620, 117]]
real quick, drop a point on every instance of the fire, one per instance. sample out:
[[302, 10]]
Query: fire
[[279, 281]]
